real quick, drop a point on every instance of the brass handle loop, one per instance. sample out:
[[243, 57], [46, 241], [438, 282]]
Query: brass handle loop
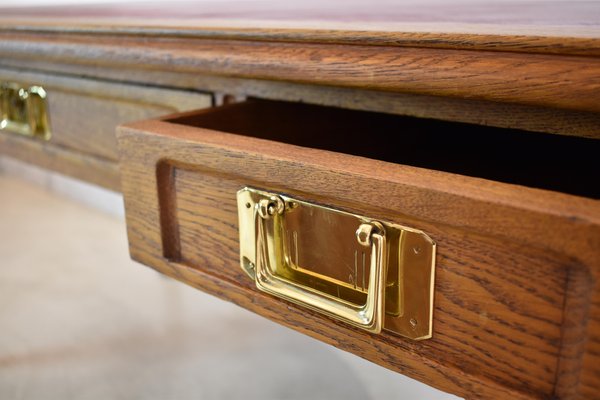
[[268, 252]]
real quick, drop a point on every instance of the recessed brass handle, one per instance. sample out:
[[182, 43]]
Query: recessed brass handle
[[23, 110], [338, 263], [367, 316]]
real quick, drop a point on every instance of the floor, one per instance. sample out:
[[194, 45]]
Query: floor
[[79, 320]]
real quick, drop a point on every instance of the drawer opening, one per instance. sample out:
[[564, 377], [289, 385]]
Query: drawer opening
[[553, 162]]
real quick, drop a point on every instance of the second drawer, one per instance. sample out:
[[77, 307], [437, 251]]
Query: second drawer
[[84, 113]]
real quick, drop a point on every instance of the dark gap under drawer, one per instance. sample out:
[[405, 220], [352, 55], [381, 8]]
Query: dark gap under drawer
[[560, 163]]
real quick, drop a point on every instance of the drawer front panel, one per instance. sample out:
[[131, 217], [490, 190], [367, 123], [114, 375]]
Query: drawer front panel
[[484, 291], [510, 259]]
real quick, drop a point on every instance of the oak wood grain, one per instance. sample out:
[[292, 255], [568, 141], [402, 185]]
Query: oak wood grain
[[484, 113], [517, 294], [516, 301], [557, 81], [96, 170], [566, 27]]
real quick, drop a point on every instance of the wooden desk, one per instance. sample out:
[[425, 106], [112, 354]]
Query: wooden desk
[[475, 123]]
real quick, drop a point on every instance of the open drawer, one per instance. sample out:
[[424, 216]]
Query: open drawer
[[510, 219]]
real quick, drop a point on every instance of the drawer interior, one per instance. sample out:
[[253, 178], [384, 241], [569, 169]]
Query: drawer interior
[[559, 163]]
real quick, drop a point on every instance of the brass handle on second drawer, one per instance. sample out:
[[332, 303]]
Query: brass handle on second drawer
[[372, 274], [368, 316]]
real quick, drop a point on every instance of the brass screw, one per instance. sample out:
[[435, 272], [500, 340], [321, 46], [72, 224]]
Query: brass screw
[[413, 323], [271, 206]]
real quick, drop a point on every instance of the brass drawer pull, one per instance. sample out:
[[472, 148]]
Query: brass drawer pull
[[368, 316], [24, 110], [337, 263]]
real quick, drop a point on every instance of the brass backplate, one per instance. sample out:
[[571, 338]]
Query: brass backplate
[[322, 253]]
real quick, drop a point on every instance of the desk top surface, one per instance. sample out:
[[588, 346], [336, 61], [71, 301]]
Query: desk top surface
[[530, 52], [555, 26]]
